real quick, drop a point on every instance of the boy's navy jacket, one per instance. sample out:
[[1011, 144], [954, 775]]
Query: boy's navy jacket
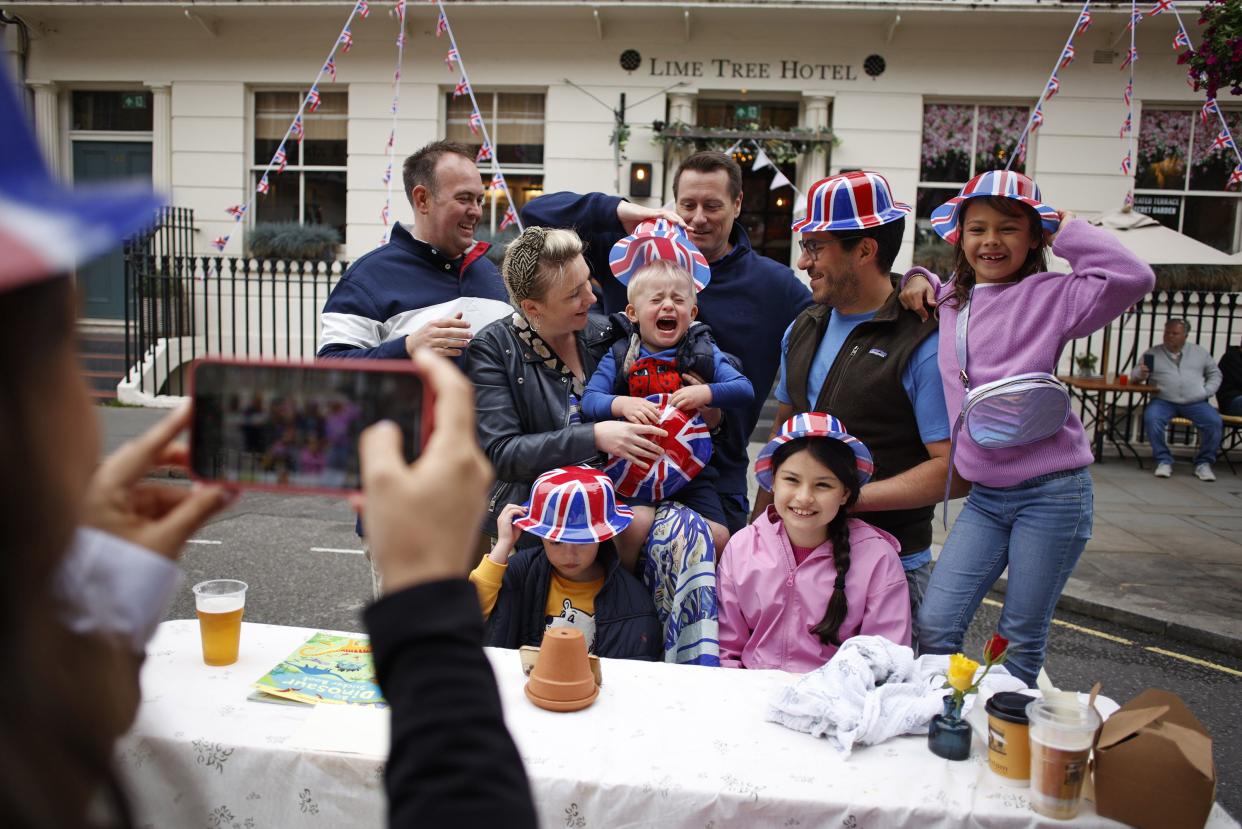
[[694, 353], [626, 625]]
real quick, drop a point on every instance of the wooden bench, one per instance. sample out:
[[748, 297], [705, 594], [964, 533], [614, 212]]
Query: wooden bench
[[1230, 438]]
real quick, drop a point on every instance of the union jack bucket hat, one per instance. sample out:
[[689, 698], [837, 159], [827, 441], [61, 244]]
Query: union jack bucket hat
[[576, 505], [47, 229], [850, 201], [944, 219], [687, 447], [658, 239], [813, 425]]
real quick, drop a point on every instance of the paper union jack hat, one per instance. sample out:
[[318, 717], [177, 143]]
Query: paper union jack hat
[[813, 425], [576, 505], [658, 239], [46, 228], [687, 449], [944, 219], [850, 201]]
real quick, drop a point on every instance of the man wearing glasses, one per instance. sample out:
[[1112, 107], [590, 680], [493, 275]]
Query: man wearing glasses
[[858, 355]]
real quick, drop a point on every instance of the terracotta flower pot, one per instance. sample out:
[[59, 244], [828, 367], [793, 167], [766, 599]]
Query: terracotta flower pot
[[561, 679]]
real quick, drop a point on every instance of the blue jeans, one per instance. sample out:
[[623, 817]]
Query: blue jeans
[[1038, 529], [1156, 419]]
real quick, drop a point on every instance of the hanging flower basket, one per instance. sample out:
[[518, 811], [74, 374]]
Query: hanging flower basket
[[1218, 60], [782, 146]]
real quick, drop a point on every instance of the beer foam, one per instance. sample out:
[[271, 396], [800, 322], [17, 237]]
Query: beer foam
[[220, 604]]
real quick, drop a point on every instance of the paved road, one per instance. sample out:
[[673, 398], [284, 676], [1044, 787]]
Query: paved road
[[304, 567]]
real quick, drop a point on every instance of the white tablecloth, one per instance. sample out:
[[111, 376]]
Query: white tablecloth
[[664, 745]]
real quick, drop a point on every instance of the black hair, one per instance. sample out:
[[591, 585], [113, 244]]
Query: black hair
[[1036, 259], [420, 168], [887, 239], [842, 462]]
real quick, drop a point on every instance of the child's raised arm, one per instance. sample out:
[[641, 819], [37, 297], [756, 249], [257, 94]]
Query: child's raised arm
[[1107, 277], [490, 574]]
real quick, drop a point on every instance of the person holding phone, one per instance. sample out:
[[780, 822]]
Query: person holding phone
[[530, 372]]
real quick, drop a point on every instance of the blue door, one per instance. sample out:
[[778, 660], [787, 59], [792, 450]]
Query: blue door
[[101, 284]]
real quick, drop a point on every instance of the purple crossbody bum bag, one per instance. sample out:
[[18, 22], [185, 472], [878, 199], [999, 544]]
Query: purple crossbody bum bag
[[1012, 411]]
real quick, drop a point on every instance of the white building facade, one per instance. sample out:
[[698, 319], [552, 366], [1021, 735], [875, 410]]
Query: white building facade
[[196, 97]]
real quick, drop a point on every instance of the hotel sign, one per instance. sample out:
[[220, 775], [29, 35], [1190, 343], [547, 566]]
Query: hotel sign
[[785, 70]]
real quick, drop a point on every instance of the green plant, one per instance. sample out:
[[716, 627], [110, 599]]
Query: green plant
[[291, 240], [782, 146], [1086, 363], [620, 136], [1218, 60]]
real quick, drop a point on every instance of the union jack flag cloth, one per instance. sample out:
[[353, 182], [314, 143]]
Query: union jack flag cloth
[[346, 40], [280, 160], [1125, 96], [1235, 177], [1161, 6], [1067, 56], [576, 505], [687, 449], [330, 67], [498, 182], [1131, 57], [509, 218], [1126, 127], [441, 24], [220, 242], [401, 41], [363, 10], [1181, 39], [399, 9], [476, 122], [263, 185], [312, 100], [1223, 140], [1125, 165], [384, 215], [462, 88], [1135, 18], [298, 132], [450, 60], [813, 425], [388, 173], [237, 211], [485, 152], [1210, 108], [658, 239], [1084, 22], [1037, 118], [1054, 86]]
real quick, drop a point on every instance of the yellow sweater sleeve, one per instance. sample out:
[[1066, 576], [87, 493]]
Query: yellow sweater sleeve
[[487, 578]]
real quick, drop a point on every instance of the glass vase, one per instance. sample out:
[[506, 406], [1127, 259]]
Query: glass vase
[[948, 736]]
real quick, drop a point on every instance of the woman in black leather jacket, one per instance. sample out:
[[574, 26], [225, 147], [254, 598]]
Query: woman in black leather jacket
[[530, 369]]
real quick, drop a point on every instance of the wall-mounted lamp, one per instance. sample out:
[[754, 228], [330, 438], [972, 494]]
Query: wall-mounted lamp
[[640, 180]]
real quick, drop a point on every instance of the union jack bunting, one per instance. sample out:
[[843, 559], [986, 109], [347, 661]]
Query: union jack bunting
[[485, 152], [388, 173], [450, 60], [1161, 6], [576, 505], [393, 106], [462, 88], [476, 122], [401, 41], [1125, 165], [263, 185], [363, 9], [1067, 56], [1084, 22], [280, 160], [1235, 177], [1129, 200], [384, 215], [1181, 39], [1021, 151], [1126, 126], [346, 41], [1136, 17], [686, 450], [399, 9], [392, 138], [441, 24], [237, 211], [498, 182], [330, 67], [1223, 140], [1131, 57], [312, 100], [813, 425], [509, 218], [1129, 92], [220, 242], [1037, 119], [1209, 108], [298, 131], [1054, 86]]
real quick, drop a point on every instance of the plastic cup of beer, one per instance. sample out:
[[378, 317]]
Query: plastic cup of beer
[[219, 604], [1061, 738]]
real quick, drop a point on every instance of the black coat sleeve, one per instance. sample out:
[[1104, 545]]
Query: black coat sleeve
[[452, 761]]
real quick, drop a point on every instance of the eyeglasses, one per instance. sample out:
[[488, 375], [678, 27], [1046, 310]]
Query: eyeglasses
[[812, 247]]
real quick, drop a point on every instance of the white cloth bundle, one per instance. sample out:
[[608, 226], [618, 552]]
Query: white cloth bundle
[[870, 691]]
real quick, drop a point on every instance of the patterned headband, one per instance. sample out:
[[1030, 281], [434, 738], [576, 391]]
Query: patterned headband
[[521, 262]]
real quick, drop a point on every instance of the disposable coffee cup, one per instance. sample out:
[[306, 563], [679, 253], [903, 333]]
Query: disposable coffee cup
[[1009, 746], [1061, 738], [219, 605]]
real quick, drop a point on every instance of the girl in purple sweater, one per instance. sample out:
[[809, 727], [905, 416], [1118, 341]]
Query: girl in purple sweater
[[804, 576], [1030, 506]]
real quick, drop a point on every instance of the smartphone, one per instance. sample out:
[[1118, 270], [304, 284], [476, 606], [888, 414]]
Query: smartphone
[[1149, 360], [295, 426]]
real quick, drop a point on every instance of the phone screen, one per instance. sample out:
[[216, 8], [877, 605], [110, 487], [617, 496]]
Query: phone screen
[[296, 425], [1149, 360]]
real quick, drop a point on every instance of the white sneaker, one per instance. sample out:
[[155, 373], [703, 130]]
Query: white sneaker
[[1165, 470], [1204, 472]]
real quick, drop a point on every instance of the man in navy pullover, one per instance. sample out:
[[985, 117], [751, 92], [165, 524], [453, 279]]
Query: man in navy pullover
[[749, 303], [429, 288]]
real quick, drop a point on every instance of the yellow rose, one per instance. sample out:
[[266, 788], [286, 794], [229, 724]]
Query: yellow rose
[[961, 672]]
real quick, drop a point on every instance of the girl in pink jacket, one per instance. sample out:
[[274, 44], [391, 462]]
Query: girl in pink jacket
[[805, 576]]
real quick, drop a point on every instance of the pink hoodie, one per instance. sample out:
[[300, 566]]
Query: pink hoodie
[[768, 604]]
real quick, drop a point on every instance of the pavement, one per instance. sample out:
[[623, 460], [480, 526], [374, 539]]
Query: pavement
[[1165, 556]]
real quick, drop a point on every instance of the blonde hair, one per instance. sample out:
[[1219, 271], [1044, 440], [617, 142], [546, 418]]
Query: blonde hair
[[657, 268], [536, 260]]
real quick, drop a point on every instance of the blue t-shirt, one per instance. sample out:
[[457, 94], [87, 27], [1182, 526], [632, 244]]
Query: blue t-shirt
[[920, 379]]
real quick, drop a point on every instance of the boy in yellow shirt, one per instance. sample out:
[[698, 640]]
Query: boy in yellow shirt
[[574, 579]]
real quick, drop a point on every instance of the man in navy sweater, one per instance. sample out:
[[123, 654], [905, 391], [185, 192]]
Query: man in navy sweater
[[430, 288], [749, 303]]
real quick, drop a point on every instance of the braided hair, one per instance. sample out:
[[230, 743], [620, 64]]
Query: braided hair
[[536, 260], [841, 461]]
